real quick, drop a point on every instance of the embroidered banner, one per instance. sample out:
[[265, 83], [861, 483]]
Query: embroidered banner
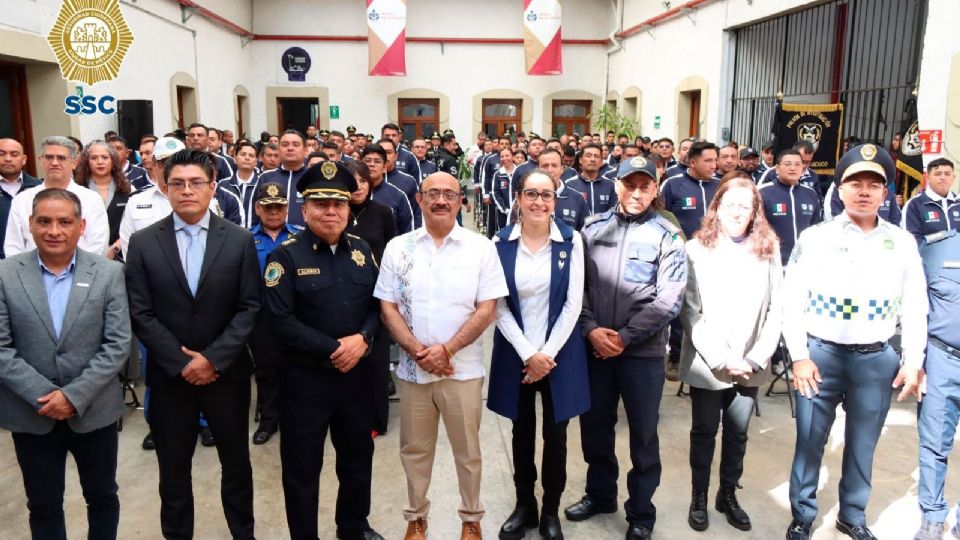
[[387, 37], [820, 125], [541, 37]]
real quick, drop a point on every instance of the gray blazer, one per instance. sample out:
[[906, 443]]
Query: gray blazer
[[94, 344]]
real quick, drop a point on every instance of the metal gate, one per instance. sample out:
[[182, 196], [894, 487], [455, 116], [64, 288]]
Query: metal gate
[[862, 53]]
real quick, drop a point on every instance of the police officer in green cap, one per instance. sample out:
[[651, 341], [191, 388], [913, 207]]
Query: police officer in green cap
[[319, 289]]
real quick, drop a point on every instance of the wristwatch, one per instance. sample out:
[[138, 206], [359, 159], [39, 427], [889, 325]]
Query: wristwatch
[[367, 338]]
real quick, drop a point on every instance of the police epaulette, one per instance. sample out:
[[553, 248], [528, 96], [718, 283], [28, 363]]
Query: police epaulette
[[935, 237], [289, 241]]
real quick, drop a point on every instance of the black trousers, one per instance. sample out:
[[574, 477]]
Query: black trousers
[[43, 460], [266, 357], [313, 401], [675, 340], [735, 407], [173, 419], [554, 463], [639, 382]]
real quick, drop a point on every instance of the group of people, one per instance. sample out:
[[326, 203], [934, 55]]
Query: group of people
[[301, 267]]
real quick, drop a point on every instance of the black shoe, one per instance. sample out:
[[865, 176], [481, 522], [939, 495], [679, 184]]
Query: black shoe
[[206, 437], [857, 532], [262, 435], [524, 517], [586, 508], [638, 532], [727, 504], [698, 518], [798, 531], [148, 443], [550, 528], [391, 388], [368, 534]]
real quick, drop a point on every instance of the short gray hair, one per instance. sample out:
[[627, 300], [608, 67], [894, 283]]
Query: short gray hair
[[58, 140], [52, 194]]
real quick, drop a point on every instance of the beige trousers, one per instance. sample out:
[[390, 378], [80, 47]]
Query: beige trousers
[[460, 404]]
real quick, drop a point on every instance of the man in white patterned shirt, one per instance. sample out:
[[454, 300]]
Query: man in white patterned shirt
[[438, 288]]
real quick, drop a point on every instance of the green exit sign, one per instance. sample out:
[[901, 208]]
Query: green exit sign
[[656, 122], [334, 112]]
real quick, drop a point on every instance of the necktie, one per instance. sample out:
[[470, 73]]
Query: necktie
[[195, 249]]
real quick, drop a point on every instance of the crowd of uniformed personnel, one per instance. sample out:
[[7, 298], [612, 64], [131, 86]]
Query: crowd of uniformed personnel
[[608, 265]]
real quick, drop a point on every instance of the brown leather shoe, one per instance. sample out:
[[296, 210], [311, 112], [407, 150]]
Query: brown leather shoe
[[416, 530], [471, 531]]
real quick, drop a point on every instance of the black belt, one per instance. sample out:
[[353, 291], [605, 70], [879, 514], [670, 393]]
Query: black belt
[[944, 347], [862, 348]]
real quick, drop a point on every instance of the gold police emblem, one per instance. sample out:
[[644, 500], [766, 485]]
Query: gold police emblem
[[90, 39], [272, 274], [358, 257], [273, 190], [328, 170], [638, 162], [868, 152]]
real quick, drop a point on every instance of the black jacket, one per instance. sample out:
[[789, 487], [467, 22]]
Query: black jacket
[[373, 222], [166, 316]]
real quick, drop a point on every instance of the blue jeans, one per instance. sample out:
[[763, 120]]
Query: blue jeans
[[862, 383], [938, 414]]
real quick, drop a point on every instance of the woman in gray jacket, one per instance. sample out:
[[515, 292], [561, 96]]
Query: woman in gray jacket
[[731, 319]]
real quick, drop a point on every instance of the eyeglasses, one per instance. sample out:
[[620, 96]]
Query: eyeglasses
[[449, 195], [52, 157], [178, 185], [532, 194]]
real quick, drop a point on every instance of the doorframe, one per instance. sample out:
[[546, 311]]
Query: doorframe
[[20, 95], [320, 93]]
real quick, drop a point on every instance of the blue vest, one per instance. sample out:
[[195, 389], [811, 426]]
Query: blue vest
[[569, 384]]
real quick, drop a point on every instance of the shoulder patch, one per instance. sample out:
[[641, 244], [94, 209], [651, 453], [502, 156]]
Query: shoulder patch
[[272, 274]]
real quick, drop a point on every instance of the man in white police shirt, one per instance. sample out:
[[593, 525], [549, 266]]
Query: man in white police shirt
[[848, 283]]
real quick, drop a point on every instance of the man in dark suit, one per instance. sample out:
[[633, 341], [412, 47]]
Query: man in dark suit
[[13, 179], [64, 336], [194, 287]]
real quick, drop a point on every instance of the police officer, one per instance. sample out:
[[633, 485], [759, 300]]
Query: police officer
[[635, 279], [427, 165], [939, 411], [270, 205], [571, 207], [405, 161], [319, 288], [599, 191], [790, 207], [889, 211], [750, 163], [848, 283], [937, 208]]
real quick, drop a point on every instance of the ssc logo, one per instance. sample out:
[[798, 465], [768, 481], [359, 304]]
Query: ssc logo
[[84, 105], [90, 39], [373, 15], [531, 16]]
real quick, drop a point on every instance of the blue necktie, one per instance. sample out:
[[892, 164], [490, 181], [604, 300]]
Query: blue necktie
[[194, 257]]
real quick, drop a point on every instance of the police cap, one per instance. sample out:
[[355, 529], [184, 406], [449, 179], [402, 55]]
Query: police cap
[[166, 147], [866, 158], [637, 164], [271, 193], [435, 136], [749, 151], [448, 131], [324, 133], [327, 180], [351, 129]]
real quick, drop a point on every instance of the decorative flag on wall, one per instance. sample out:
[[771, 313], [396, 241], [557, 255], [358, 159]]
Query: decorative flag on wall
[[910, 156], [387, 37], [541, 36]]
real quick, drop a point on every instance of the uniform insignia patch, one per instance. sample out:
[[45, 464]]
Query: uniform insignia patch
[[358, 257], [868, 152], [273, 190], [288, 241], [888, 243], [272, 274], [638, 162], [90, 40], [563, 254], [308, 271]]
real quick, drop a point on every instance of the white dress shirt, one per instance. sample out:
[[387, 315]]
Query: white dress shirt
[[849, 286], [437, 290], [532, 277], [144, 208], [94, 238]]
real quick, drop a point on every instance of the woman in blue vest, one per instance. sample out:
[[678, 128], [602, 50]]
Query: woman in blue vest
[[538, 347]]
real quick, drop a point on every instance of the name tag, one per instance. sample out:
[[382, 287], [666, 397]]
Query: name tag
[[121, 204], [82, 284], [951, 264], [144, 206], [308, 271]]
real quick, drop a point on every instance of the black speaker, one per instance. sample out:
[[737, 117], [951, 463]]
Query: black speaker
[[134, 119]]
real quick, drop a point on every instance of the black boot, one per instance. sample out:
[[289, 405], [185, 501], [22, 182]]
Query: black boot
[[550, 528], [698, 518], [727, 504], [524, 517]]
